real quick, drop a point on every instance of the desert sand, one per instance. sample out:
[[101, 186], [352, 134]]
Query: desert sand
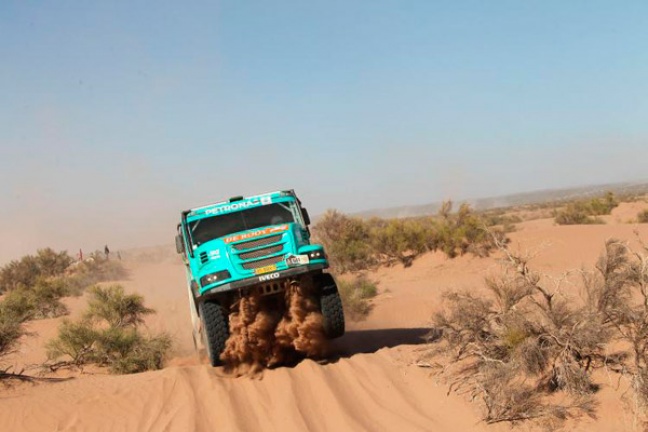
[[369, 383]]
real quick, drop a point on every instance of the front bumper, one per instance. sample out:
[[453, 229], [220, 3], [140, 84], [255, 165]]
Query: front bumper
[[260, 279]]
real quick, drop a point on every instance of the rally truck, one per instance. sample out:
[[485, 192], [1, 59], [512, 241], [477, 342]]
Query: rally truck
[[256, 245]]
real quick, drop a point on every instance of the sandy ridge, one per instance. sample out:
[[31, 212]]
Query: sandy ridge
[[366, 392]]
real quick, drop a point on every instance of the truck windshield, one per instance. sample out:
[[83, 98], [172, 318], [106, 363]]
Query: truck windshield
[[204, 230]]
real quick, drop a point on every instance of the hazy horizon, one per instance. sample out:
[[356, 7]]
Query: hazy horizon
[[118, 116]]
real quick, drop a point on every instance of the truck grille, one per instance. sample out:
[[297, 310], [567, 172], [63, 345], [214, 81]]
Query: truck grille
[[203, 257], [250, 265], [256, 243], [261, 252]]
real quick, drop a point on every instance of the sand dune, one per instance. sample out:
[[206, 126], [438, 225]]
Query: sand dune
[[364, 393], [369, 384]]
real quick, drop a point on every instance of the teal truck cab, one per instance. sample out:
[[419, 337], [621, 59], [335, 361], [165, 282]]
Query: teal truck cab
[[250, 245]]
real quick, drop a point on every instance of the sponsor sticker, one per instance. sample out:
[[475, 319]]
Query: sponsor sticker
[[254, 234], [295, 260], [253, 202], [266, 269]]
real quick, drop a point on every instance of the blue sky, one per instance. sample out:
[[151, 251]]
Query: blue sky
[[117, 115]]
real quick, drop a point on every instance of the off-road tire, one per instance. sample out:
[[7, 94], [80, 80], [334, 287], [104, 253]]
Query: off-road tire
[[215, 330], [331, 307]]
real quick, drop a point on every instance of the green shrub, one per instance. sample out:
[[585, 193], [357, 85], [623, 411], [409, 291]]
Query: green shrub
[[582, 212], [52, 263], [115, 307], [399, 240], [346, 240], [642, 217], [34, 287], [499, 217], [26, 271], [355, 244], [43, 300], [603, 206], [76, 340], [128, 351], [108, 335], [462, 232], [10, 331], [356, 295], [575, 214]]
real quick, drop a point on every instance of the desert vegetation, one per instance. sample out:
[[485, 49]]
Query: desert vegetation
[[34, 285], [41, 300], [642, 217], [10, 331], [27, 270], [528, 352], [109, 335], [502, 217], [356, 294], [355, 244], [33, 288], [586, 212]]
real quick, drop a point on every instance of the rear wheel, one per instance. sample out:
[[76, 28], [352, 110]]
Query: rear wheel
[[215, 330], [331, 307]]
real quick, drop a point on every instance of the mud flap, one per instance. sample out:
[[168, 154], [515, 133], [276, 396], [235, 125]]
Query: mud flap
[[196, 323]]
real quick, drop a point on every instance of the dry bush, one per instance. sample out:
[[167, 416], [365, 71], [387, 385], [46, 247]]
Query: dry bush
[[109, 335], [526, 346], [642, 216], [520, 345], [356, 296], [620, 290]]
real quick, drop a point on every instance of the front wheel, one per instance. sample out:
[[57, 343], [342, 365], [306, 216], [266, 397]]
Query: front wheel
[[215, 330], [331, 307]]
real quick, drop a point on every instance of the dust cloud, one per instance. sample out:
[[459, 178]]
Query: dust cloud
[[272, 331]]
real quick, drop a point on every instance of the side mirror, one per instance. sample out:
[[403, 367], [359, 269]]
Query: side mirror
[[306, 216], [179, 244]]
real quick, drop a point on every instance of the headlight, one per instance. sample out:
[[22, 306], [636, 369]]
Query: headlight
[[317, 254], [214, 277]]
